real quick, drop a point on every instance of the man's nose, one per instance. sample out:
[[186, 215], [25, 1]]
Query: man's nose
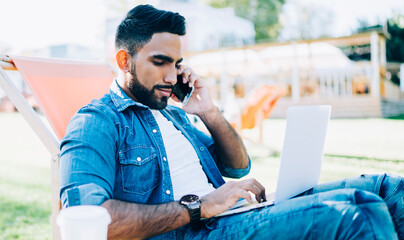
[[171, 77]]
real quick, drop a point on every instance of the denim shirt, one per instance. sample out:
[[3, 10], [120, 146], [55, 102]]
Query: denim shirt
[[113, 149]]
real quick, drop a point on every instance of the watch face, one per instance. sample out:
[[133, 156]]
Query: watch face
[[190, 198]]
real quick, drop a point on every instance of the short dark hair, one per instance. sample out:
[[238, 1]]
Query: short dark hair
[[142, 22]]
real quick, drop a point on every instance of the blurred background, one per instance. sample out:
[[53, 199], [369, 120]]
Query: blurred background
[[258, 57], [344, 53]]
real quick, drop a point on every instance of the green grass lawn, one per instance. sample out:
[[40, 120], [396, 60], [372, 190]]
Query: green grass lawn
[[25, 189], [353, 147]]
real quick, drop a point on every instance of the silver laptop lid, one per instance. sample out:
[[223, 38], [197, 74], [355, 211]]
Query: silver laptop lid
[[303, 149]]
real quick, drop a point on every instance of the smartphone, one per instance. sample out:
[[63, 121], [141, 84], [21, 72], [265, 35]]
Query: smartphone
[[182, 91]]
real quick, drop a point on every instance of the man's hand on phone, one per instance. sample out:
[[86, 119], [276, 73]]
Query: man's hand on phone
[[200, 100]]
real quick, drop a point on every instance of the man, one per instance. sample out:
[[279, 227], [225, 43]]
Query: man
[[143, 160]]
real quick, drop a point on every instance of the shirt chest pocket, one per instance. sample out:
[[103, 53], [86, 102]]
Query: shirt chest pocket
[[139, 169]]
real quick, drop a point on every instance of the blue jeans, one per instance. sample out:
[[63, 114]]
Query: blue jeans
[[366, 207]]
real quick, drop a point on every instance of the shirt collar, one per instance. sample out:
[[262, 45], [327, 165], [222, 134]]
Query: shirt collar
[[120, 99]]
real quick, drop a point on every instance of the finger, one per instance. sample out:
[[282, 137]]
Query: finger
[[256, 188], [192, 79], [258, 194], [181, 69], [262, 196], [258, 184], [186, 74], [244, 194], [253, 184], [262, 189]]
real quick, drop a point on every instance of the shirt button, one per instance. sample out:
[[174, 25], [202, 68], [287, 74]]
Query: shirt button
[[201, 148], [139, 159], [168, 192], [154, 130], [164, 158]]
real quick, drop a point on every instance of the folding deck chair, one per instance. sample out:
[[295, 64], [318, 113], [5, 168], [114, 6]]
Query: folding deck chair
[[259, 105], [61, 88]]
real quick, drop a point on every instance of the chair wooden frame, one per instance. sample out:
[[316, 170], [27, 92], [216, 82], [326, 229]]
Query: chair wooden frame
[[48, 139]]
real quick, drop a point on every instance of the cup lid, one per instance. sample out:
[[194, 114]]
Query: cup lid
[[76, 214]]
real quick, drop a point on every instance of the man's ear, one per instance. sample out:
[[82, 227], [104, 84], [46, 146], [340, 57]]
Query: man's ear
[[123, 58]]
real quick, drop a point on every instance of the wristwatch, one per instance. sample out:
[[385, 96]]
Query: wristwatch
[[193, 204]]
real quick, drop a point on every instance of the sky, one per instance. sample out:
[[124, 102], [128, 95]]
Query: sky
[[347, 12], [37, 23]]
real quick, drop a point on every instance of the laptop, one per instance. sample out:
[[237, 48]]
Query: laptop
[[301, 156]]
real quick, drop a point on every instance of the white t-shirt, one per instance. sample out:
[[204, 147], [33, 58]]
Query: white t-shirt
[[186, 171]]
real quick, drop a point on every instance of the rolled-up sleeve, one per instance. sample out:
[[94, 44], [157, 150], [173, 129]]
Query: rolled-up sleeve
[[87, 161], [235, 172]]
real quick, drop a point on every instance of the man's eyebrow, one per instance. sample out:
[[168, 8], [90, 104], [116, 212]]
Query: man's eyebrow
[[179, 61], [166, 58]]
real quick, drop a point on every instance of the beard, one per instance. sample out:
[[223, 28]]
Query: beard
[[146, 96]]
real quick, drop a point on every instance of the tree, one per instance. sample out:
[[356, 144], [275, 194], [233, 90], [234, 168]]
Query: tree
[[395, 44], [303, 20], [395, 41], [264, 14]]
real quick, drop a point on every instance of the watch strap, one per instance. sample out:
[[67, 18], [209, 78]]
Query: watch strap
[[195, 211]]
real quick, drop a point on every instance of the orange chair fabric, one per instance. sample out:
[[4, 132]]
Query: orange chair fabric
[[62, 87], [260, 105]]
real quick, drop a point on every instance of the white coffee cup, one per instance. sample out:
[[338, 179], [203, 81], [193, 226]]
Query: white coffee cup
[[83, 222]]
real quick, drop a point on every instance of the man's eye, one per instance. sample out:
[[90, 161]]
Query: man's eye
[[158, 63]]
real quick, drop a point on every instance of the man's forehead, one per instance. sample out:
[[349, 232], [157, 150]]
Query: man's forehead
[[167, 44]]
